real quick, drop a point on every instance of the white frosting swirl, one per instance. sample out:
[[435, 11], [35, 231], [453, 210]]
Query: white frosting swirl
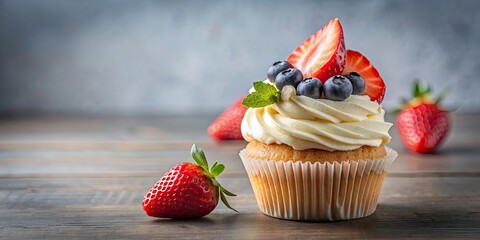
[[303, 123]]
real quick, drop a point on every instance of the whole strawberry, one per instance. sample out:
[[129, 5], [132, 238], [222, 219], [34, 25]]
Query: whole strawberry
[[421, 124], [187, 190]]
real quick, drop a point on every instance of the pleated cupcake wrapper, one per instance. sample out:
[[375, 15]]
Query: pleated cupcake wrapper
[[317, 191]]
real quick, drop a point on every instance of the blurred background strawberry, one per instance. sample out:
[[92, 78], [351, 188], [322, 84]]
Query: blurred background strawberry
[[422, 124]]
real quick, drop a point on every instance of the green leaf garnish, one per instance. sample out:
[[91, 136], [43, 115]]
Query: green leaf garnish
[[217, 168], [264, 95]]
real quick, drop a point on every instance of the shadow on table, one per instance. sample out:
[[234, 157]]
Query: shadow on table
[[210, 219]]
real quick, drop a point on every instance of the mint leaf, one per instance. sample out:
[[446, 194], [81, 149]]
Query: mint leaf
[[264, 88], [255, 100], [264, 95]]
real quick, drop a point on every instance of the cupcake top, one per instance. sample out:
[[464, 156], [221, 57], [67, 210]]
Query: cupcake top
[[322, 96], [304, 123]]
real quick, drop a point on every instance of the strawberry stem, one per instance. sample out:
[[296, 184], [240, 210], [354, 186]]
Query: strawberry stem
[[228, 193], [224, 200], [199, 157], [217, 168], [422, 93], [441, 96], [420, 89]]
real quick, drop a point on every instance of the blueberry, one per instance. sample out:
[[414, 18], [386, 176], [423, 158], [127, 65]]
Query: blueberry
[[291, 76], [357, 81], [338, 88], [310, 87], [276, 68]]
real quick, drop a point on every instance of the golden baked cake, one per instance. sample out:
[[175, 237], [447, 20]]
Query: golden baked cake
[[280, 152], [316, 131]]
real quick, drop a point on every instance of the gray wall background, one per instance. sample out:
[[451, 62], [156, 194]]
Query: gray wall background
[[196, 57]]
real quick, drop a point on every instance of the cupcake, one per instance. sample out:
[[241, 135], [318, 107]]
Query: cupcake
[[316, 131]]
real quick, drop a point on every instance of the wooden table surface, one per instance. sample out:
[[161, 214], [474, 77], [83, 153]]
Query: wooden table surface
[[79, 177]]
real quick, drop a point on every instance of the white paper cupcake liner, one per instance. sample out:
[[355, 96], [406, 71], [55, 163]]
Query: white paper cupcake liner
[[317, 191]]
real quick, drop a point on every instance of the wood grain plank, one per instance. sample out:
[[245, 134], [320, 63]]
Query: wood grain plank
[[389, 222], [99, 208], [72, 188], [81, 164], [150, 163], [80, 177], [150, 133], [64, 128], [61, 142]]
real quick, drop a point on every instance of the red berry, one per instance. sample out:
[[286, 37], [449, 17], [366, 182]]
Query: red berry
[[374, 85], [322, 55], [422, 128], [183, 192], [187, 190], [227, 125]]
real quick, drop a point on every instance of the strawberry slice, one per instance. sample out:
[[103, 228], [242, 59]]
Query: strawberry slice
[[322, 55], [227, 125], [374, 85]]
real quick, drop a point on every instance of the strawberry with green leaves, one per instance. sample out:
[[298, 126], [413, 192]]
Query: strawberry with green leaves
[[187, 190], [421, 123]]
